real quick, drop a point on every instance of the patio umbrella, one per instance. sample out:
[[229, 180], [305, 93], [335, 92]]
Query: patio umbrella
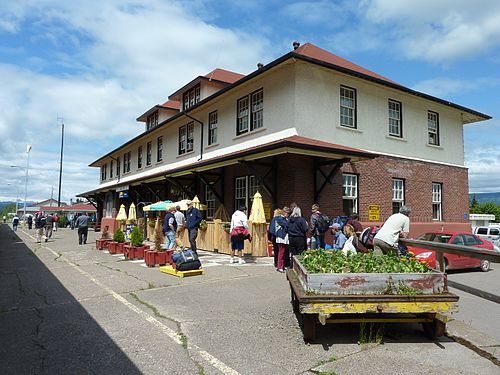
[[122, 215], [159, 206], [196, 202], [182, 204], [257, 214], [132, 215]]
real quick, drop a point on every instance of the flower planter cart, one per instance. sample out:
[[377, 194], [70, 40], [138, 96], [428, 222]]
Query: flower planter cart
[[361, 297], [102, 243], [153, 257], [134, 252]]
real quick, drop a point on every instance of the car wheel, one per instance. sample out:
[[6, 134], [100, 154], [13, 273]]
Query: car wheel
[[484, 265]]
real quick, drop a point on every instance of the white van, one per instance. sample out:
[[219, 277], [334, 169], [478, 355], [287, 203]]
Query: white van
[[491, 233]]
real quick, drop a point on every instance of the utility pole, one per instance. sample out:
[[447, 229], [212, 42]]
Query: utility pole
[[61, 161], [28, 149]]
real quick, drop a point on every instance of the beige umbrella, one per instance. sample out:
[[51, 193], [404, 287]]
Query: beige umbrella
[[257, 214], [196, 202], [122, 215], [132, 215]]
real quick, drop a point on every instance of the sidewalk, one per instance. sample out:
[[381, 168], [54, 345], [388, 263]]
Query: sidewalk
[[70, 309]]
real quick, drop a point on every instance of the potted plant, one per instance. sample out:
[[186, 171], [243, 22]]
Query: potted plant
[[226, 227], [158, 255], [102, 242], [136, 248], [203, 225], [118, 242]]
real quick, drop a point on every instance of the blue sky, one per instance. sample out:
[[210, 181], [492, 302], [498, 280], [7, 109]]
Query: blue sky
[[97, 65]]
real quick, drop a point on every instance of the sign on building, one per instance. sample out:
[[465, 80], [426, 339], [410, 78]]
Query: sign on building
[[374, 212]]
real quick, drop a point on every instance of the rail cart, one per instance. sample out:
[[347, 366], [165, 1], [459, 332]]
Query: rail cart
[[356, 298]]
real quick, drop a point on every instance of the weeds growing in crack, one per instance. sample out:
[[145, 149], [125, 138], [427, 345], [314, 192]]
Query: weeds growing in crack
[[370, 333], [184, 340], [331, 359], [148, 305], [151, 286]]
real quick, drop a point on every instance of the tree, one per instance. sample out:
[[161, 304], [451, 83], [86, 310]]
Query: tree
[[487, 208], [474, 205], [8, 209]]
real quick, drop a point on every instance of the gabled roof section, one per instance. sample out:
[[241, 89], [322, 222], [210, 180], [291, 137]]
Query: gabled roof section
[[172, 105], [222, 77], [314, 52]]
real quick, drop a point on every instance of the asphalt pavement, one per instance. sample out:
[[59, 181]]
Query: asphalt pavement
[[71, 309]]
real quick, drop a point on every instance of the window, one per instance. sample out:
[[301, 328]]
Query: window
[[152, 121], [347, 107], [212, 128], [211, 201], [350, 193], [186, 141], [398, 194], [437, 209], [139, 157], [470, 240], [104, 171], [148, 153], [395, 128], [111, 166], [118, 165], [250, 114], [126, 162], [159, 149], [191, 97], [244, 189], [433, 128]]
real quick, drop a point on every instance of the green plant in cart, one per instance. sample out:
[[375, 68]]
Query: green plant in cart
[[136, 237]]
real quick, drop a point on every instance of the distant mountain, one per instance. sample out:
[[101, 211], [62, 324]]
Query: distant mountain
[[20, 203], [486, 197]]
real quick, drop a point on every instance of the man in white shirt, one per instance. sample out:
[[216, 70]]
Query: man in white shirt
[[181, 226], [395, 227]]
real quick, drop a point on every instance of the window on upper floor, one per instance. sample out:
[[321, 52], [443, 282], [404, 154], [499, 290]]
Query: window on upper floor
[[433, 128], [159, 149], [212, 128], [118, 166], [191, 97], [437, 203], [126, 162], [250, 112], [398, 194], [395, 119], [139, 157], [186, 140], [347, 107], [111, 166], [148, 153], [104, 170], [152, 121], [350, 193]]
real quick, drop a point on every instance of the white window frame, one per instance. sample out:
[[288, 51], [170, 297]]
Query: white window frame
[[245, 188], [395, 118], [111, 166], [159, 149], [398, 194], [212, 128], [250, 112], [118, 167], [126, 162], [186, 138], [139, 157], [104, 172], [437, 201], [211, 201], [347, 110], [350, 192], [149, 152], [433, 128], [191, 97], [152, 121]]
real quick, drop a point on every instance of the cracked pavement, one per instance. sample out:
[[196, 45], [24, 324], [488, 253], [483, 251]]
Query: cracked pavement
[[70, 309]]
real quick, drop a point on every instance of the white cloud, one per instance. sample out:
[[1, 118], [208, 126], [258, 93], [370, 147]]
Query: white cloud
[[445, 87]]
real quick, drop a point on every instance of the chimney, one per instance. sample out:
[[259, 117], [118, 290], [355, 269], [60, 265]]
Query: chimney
[[296, 45], [260, 65]]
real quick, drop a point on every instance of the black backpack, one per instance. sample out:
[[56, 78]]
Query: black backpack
[[368, 235], [323, 223]]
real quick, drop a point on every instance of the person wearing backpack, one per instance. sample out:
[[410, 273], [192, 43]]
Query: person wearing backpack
[[318, 225], [40, 221], [170, 228]]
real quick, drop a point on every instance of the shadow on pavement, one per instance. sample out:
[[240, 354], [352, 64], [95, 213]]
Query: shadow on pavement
[[43, 328]]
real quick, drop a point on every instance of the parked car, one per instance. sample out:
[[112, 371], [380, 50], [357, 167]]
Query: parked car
[[490, 233], [453, 261]]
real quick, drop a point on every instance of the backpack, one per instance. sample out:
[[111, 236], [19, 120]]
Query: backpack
[[340, 220], [323, 223], [186, 260], [368, 235]]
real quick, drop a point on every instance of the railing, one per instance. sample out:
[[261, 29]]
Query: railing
[[441, 248]]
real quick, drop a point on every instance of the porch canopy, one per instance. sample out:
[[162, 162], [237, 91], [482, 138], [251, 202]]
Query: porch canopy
[[256, 158]]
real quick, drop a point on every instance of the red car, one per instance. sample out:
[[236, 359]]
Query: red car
[[453, 261]]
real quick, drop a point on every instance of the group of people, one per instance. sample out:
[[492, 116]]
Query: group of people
[[45, 224], [175, 223], [291, 234]]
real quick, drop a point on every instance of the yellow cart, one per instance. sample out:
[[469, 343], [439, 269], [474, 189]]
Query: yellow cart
[[428, 309]]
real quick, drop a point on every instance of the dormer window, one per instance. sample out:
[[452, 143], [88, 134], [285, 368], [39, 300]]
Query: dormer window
[[191, 97], [152, 121]]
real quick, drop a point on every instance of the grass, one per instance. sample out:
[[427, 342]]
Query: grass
[[370, 333]]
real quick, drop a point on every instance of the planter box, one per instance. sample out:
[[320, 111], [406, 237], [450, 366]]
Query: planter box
[[102, 243], [120, 247], [153, 257], [369, 283], [112, 247], [134, 252]]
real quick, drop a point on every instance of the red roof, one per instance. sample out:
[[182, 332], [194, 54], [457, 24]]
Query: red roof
[[171, 104], [77, 207], [224, 75], [314, 52]]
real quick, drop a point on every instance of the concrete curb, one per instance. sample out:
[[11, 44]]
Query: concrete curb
[[481, 343]]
